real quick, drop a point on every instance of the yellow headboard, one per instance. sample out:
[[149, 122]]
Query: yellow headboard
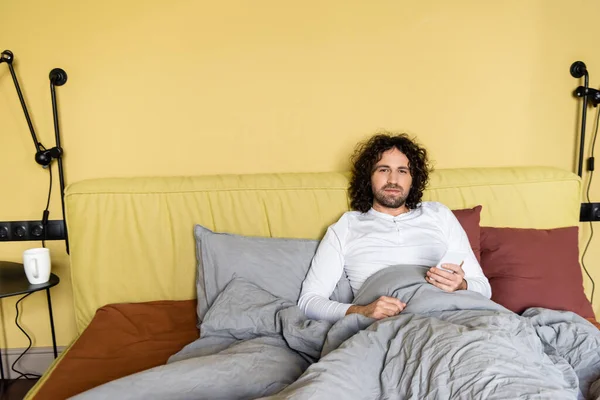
[[131, 239]]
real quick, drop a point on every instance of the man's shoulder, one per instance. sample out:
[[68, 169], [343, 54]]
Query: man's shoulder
[[349, 215], [341, 227], [434, 208], [346, 219]]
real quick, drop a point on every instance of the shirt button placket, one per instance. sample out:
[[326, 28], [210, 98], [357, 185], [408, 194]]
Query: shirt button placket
[[397, 230]]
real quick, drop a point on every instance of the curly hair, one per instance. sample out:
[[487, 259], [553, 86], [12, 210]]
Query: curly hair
[[369, 153]]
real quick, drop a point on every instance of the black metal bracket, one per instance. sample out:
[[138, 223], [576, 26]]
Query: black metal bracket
[[593, 94]]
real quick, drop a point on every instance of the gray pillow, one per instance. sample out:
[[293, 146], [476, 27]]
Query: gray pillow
[[276, 265]]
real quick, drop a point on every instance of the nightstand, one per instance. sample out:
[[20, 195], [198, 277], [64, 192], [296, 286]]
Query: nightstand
[[13, 282]]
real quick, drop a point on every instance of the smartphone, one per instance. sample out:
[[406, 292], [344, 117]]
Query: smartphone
[[452, 257]]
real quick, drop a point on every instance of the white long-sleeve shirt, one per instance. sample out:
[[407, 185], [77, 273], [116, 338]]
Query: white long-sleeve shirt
[[364, 243]]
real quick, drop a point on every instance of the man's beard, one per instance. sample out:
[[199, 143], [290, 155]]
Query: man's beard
[[388, 200]]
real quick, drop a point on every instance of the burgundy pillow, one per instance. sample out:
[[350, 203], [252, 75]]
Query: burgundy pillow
[[534, 268], [469, 220]]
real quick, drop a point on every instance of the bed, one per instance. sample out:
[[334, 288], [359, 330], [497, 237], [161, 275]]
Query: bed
[[140, 250]]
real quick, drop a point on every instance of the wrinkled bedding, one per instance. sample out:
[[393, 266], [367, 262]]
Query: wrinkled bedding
[[442, 346]]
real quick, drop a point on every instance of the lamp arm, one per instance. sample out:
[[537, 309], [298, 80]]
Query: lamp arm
[[58, 77], [583, 125], [7, 57]]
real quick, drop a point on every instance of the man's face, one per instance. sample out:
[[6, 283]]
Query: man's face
[[391, 181]]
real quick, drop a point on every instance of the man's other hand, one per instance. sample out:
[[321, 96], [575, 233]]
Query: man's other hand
[[449, 281], [383, 307]]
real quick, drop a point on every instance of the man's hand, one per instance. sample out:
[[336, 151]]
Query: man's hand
[[381, 308], [447, 281]]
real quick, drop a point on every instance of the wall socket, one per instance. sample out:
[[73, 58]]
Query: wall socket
[[589, 212], [16, 231]]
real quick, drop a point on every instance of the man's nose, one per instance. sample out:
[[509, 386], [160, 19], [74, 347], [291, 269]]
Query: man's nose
[[393, 177]]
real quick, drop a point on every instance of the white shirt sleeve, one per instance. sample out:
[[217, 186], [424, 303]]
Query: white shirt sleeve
[[325, 271], [458, 240]]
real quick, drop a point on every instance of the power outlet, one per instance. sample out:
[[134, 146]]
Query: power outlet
[[14, 231], [4, 230], [589, 212]]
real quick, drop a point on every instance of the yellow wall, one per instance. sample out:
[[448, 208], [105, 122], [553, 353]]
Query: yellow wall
[[199, 87]]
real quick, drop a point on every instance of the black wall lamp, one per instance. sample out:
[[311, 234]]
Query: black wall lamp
[[589, 211], [578, 70], [44, 229]]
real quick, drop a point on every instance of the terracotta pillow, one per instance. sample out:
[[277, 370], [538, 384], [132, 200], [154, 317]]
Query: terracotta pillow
[[534, 268], [469, 220]]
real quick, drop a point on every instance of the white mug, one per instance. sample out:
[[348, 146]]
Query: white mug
[[37, 265]]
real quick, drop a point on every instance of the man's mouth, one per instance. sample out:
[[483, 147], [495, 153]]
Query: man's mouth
[[393, 190]]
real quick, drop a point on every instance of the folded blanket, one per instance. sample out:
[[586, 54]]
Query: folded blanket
[[442, 346]]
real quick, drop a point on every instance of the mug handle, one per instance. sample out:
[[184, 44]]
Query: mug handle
[[36, 274]]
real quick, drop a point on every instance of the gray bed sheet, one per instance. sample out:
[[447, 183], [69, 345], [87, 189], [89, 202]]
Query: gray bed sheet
[[442, 346]]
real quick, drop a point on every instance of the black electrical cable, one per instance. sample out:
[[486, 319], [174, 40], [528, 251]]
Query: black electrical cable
[[25, 375], [46, 212]]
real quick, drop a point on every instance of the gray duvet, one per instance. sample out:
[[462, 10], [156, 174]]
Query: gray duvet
[[442, 346]]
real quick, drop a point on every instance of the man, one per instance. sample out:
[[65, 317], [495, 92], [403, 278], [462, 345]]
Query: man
[[390, 226]]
